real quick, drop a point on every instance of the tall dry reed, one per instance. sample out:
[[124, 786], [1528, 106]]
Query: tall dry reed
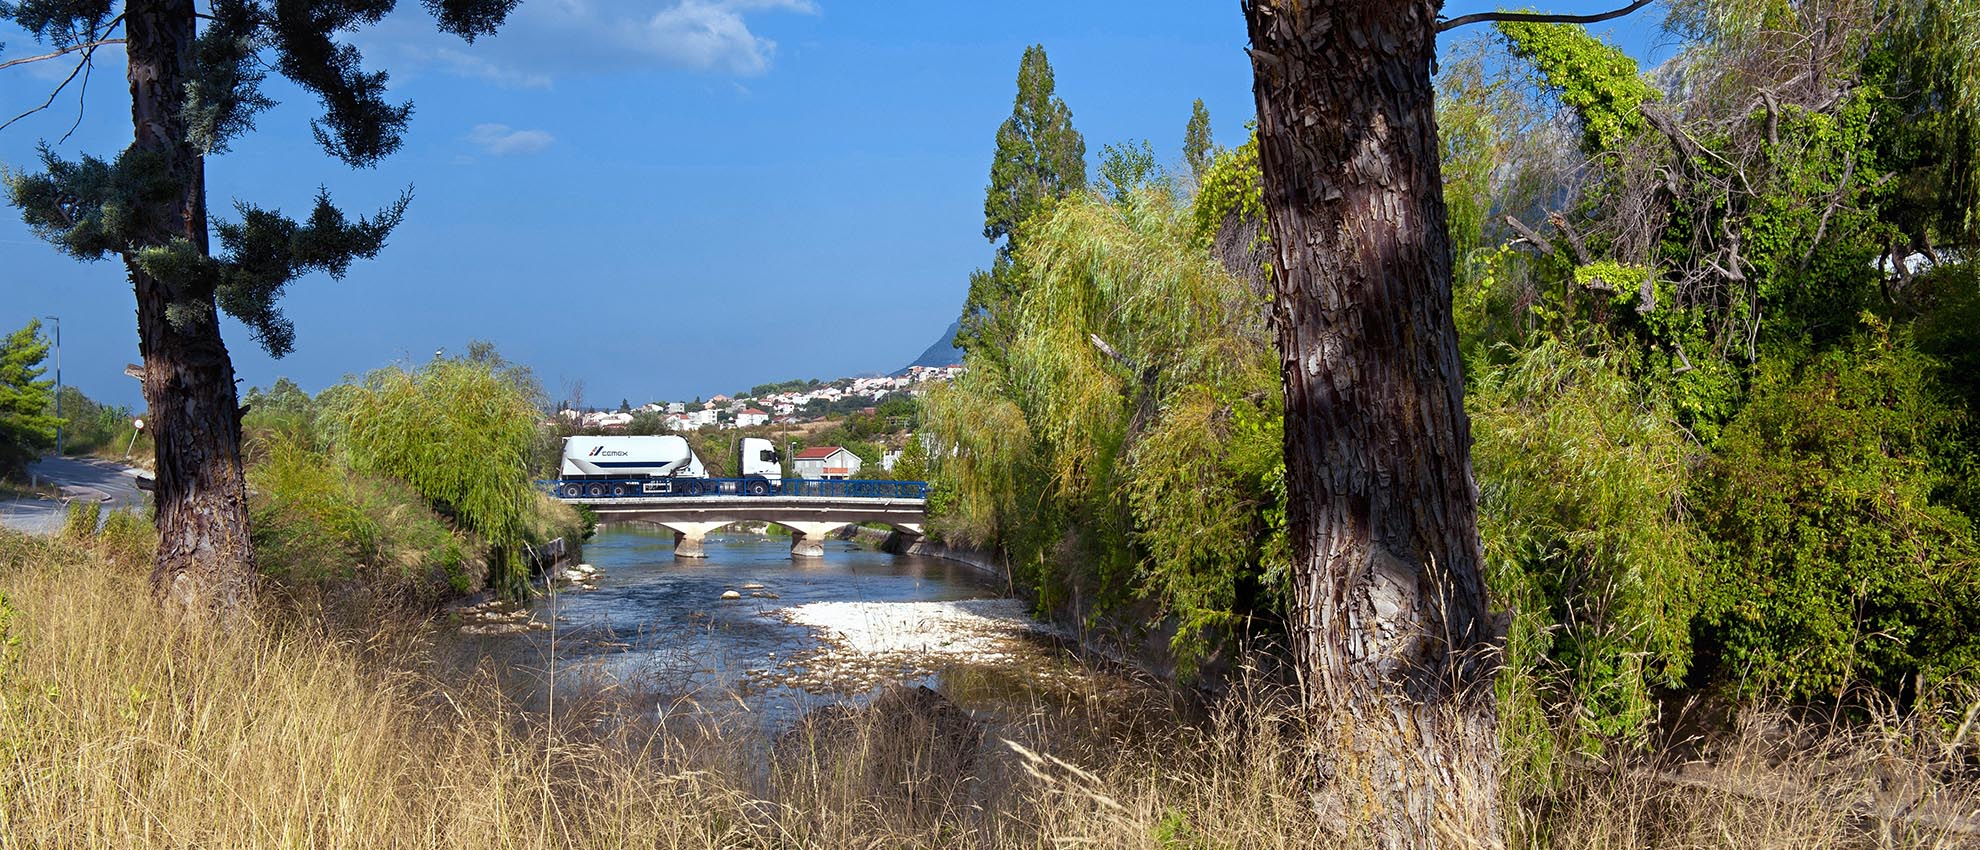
[[122, 727]]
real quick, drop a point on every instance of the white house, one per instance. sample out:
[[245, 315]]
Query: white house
[[829, 463], [751, 417]]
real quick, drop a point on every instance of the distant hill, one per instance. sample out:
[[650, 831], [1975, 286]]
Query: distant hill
[[943, 353]]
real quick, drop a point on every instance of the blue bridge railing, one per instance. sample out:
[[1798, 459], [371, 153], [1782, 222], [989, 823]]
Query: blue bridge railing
[[647, 488]]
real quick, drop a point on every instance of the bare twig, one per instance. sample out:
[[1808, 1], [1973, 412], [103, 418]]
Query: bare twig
[[87, 45], [1538, 17], [82, 93], [51, 95]]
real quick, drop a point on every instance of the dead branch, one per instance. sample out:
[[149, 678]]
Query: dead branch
[[1538, 17], [51, 95], [87, 45], [1531, 236], [1575, 243]]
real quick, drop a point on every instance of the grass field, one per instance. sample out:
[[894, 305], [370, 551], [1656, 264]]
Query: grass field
[[123, 727]]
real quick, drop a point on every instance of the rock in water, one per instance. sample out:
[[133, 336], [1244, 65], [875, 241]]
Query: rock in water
[[730, 594]]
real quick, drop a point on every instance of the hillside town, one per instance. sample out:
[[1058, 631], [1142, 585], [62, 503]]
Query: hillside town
[[790, 403]]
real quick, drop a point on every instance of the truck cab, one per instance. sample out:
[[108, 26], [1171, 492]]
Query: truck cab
[[759, 459]]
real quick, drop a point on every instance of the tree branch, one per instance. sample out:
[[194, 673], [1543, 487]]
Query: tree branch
[[51, 95], [1531, 236], [1575, 245], [1538, 17], [88, 45]]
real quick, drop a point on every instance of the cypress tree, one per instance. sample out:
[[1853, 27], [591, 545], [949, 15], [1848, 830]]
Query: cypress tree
[[195, 85], [1040, 158], [1197, 148]]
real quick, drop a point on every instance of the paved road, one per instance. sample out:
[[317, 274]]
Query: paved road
[[80, 478]]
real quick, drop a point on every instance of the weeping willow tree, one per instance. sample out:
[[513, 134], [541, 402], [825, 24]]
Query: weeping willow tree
[[460, 434], [1126, 446]]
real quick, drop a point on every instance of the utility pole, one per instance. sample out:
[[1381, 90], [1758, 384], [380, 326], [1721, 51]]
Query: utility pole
[[58, 382]]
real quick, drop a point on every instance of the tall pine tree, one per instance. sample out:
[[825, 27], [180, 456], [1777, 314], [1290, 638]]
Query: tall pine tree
[[195, 86], [1040, 158], [26, 427]]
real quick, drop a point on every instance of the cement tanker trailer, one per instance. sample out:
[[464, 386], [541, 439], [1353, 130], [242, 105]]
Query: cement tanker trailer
[[660, 466]]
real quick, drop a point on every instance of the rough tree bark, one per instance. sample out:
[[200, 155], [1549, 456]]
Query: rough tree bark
[[205, 560], [1390, 620]]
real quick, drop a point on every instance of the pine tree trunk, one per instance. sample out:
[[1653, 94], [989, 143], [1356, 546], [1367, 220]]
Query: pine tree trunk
[[205, 560], [1390, 623]]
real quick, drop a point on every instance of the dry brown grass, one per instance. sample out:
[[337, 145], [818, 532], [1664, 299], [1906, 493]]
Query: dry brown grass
[[120, 727]]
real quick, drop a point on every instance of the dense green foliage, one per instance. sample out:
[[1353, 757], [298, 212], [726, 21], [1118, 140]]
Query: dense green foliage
[[1720, 327], [415, 482], [1594, 79], [1582, 513], [461, 436], [1132, 428], [27, 419], [316, 522], [1834, 561]]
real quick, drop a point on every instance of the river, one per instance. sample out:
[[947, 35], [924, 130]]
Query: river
[[802, 634]]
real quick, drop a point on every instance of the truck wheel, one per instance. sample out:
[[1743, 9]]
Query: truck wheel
[[618, 489], [691, 488], [597, 489], [573, 491], [759, 488]]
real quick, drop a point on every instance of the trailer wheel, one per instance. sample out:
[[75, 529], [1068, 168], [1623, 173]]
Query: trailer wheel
[[572, 491], [618, 489], [759, 487], [597, 489], [692, 488]]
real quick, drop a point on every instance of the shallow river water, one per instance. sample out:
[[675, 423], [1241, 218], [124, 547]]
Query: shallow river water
[[804, 632]]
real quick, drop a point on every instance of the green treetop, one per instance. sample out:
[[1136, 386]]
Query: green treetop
[[1197, 148], [1040, 157], [26, 428]]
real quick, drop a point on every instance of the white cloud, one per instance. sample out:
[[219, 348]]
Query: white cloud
[[711, 35], [503, 140], [545, 39]]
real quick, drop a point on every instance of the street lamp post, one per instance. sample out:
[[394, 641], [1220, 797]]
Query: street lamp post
[[58, 383]]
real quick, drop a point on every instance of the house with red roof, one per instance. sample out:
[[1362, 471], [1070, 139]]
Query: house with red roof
[[828, 463]]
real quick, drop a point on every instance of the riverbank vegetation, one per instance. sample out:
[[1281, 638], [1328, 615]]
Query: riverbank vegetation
[[123, 728], [1723, 407], [411, 483]]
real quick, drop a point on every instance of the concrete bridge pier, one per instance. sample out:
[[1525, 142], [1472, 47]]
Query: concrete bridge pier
[[688, 535], [808, 538]]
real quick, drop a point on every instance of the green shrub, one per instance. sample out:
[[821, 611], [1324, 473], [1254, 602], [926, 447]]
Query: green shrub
[[315, 522], [1832, 562], [1581, 511], [81, 519], [460, 434]]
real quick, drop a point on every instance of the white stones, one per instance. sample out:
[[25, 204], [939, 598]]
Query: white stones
[[971, 630], [731, 595]]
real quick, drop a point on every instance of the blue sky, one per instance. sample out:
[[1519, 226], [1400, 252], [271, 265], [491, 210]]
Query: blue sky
[[660, 198]]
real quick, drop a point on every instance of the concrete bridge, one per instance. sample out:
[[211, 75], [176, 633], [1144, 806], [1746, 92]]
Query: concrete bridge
[[809, 518]]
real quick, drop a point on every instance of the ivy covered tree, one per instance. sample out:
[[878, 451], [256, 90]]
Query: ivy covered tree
[[26, 427], [1040, 158], [195, 85]]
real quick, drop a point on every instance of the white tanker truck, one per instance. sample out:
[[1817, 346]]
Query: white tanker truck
[[662, 465]]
